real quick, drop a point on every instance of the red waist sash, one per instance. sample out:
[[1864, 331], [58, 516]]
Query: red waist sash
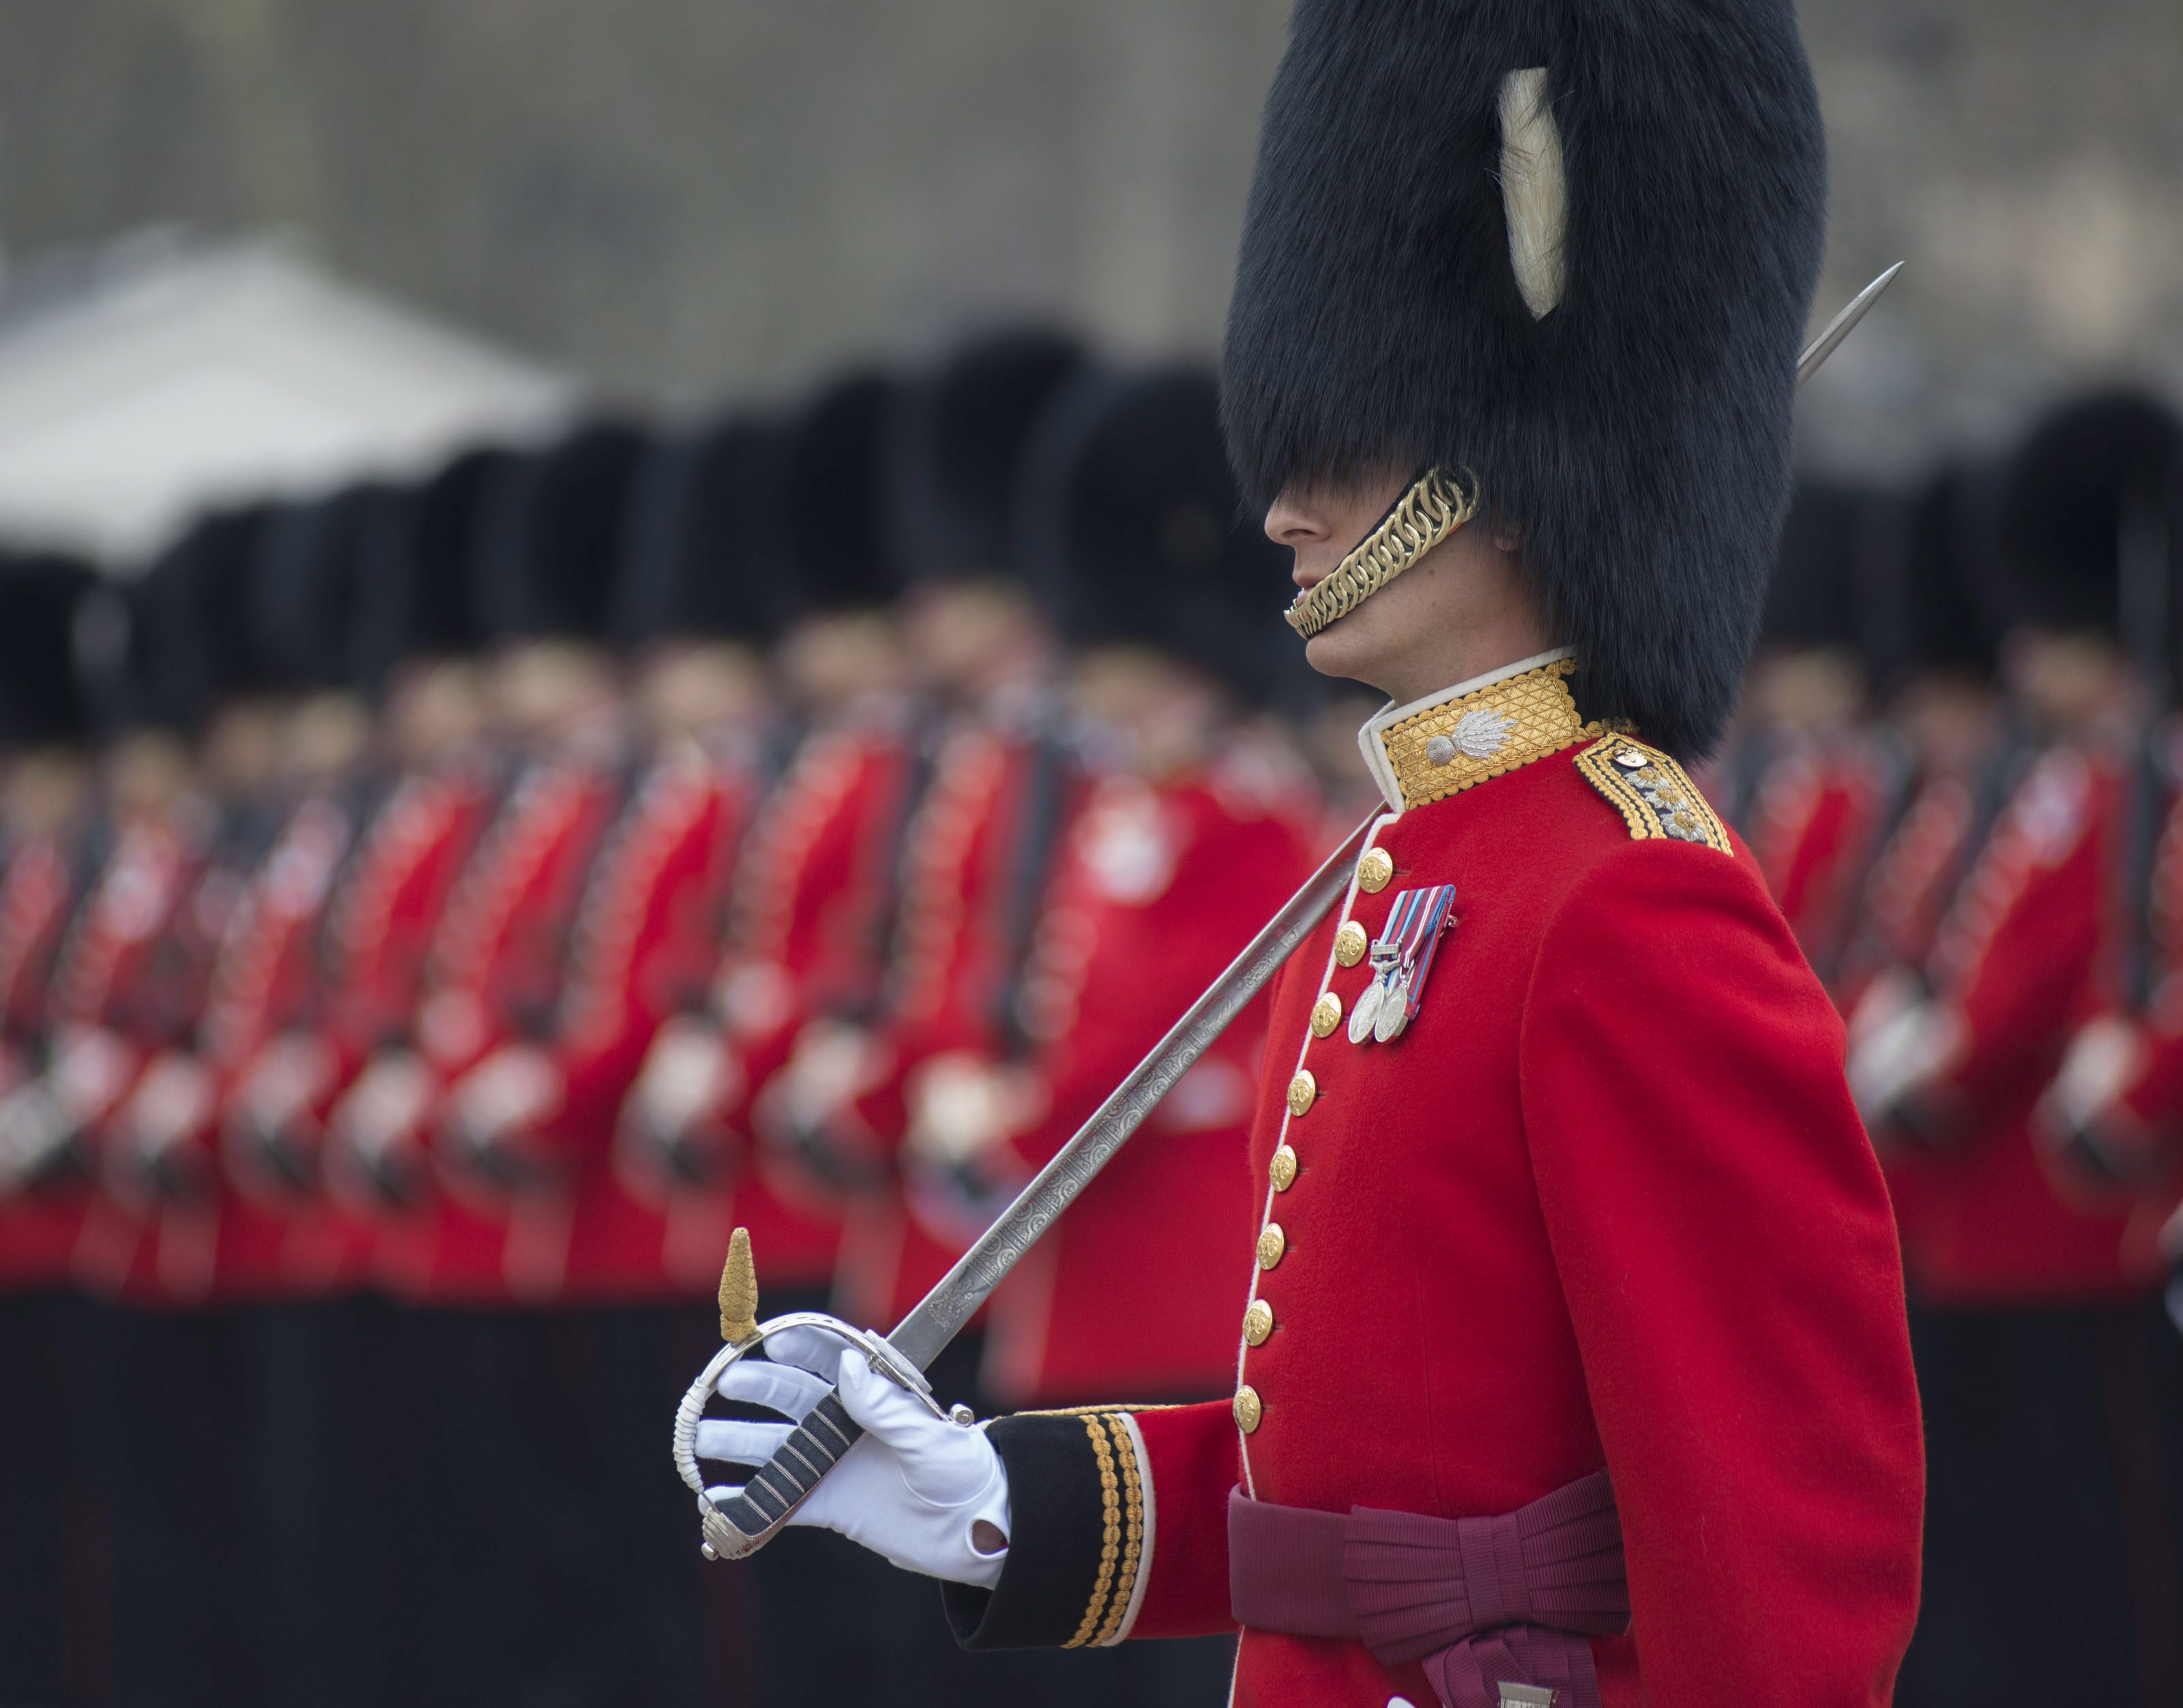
[[1483, 1602]]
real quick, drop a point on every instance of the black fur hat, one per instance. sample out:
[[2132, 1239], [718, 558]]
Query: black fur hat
[[1944, 600], [1568, 247], [2091, 475], [1813, 597], [42, 599], [955, 446], [145, 657], [688, 558], [419, 592], [815, 482], [550, 531], [311, 571], [1128, 521], [195, 635]]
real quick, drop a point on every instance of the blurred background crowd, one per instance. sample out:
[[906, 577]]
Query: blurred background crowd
[[476, 826]]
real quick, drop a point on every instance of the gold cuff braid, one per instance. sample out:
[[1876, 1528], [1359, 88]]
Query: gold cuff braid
[[1426, 514]]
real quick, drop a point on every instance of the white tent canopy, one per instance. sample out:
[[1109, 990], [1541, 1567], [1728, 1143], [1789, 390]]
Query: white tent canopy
[[175, 378]]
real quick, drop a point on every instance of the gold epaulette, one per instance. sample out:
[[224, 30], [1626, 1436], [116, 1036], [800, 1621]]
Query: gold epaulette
[[1653, 794]]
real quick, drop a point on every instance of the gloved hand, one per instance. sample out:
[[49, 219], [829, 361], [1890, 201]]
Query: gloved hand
[[928, 1494]]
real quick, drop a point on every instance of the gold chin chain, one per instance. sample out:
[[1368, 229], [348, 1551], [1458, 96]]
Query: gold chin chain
[[1426, 514]]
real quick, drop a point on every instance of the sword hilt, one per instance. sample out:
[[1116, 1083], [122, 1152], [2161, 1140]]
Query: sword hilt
[[784, 1481], [738, 1527]]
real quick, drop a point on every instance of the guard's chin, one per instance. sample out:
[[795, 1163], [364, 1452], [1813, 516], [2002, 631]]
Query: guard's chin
[[1344, 649]]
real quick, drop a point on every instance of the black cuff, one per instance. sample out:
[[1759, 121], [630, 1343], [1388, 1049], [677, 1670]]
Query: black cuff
[[1075, 1536]]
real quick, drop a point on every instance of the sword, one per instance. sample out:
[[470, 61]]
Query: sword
[[739, 1525]]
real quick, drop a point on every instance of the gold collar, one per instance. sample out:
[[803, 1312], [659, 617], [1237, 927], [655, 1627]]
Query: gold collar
[[1430, 752]]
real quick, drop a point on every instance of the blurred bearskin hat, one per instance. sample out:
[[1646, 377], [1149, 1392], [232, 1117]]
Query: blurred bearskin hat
[[1129, 522], [1944, 603], [2089, 484], [1814, 598], [1566, 247], [311, 571], [688, 559], [189, 638], [550, 536], [955, 448], [42, 602], [144, 667], [815, 488], [419, 594]]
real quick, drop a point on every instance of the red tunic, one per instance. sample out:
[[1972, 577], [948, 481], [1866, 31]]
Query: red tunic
[[643, 948], [39, 887], [1605, 1202], [494, 972], [1816, 811], [808, 909], [975, 861], [271, 1234], [1159, 888], [1992, 1216]]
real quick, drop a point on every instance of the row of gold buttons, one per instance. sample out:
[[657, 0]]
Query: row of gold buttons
[[1375, 871]]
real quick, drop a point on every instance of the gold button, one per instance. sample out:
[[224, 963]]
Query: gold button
[[1257, 1322], [1304, 1092], [1272, 1242], [1349, 943], [1325, 1015], [1283, 1168], [1375, 870], [1248, 1409]]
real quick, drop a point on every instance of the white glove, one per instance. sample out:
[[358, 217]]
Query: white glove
[[922, 1491]]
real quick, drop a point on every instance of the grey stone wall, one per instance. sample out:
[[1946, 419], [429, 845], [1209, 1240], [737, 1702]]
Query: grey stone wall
[[677, 197]]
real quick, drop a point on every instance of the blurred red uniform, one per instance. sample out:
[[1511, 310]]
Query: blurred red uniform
[[1158, 887]]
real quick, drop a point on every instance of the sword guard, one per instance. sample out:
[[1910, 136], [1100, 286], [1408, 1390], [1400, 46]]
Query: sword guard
[[738, 1528]]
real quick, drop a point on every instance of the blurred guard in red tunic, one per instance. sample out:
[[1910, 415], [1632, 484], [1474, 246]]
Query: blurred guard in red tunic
[[1180, 849], [497, 1224], [1816, 785], [47, 827], [815, 887], [1572, 1361], [2039, 1352], [272, 1232], [978, 848], [156, 1237], [418, 632], [1961, 759], [646, 938]]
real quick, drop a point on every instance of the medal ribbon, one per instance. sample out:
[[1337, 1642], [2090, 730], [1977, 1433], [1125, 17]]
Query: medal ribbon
[[1419, 939]]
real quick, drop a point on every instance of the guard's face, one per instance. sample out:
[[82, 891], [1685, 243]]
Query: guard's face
[[1463, 601]]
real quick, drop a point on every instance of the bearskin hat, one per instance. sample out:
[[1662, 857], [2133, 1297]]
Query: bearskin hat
[[815, 487], [420, 592], [955, 445], [550, 536], [1128, 521], [311, 572], [1814, 599], [2090, 481], [1565, 247], [42, 599], [1943, 599], [688, 558]]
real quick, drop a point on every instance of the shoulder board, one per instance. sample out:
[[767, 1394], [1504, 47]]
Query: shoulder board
[[1653, 794]]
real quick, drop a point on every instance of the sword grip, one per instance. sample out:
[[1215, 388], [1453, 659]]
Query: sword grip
[[786, 1481]]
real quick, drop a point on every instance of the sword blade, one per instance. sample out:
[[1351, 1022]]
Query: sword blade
[[1842, 325], [940, 1314]]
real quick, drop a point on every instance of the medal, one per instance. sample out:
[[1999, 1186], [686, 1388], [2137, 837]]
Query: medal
[[1361, 1016], [1401, 958]]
